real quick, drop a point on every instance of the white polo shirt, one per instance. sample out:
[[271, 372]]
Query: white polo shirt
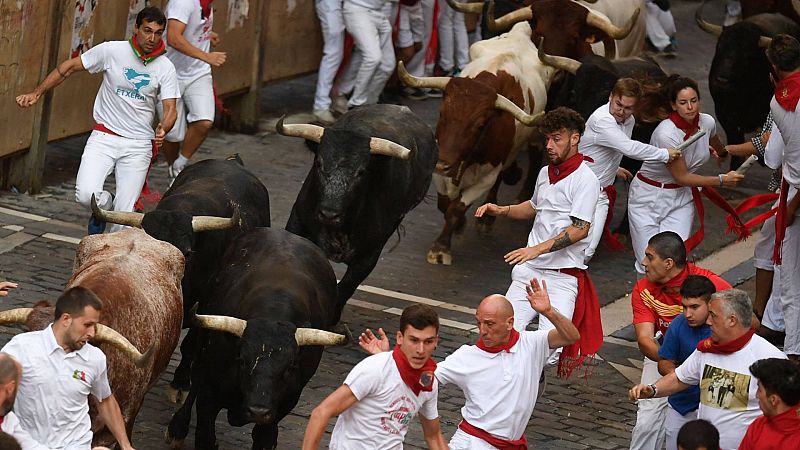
[[197, 32], [126, 101], [52, 398], [12, 426], [385, 407], [606, 141], [574, 196], [500, 388], [668, 135], [789, 124]]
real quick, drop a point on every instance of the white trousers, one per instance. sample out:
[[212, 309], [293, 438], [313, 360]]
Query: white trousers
[[465, 441], [649, 432], [598, 223], [773, 313], [652, 210], [660, 25], [374, 53], [417, 66], [196, 103], [331, 21], [790, 287], [673, 424], [453, 40], [411, 25], [128, 158]]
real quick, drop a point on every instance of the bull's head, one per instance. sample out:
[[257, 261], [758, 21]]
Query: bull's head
[[268, 357], [569, 27], [173, 226]]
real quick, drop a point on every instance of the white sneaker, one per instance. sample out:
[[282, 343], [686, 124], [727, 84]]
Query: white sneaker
[[324, 116], [339, 104]]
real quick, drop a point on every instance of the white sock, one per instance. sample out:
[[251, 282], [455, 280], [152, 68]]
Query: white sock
[[180, 163]]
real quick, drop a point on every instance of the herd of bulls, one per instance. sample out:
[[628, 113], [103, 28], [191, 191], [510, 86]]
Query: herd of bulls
[[262, 302]]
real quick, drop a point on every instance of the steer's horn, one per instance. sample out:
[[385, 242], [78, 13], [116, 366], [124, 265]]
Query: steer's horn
[[378, 146], [420, 82], [559, 62], [111, 336], [708, 27], [132, 219], [211, 223], [13, 316], [764, 41], [473, 7], [507, 21], [301, 130], [228, 324], [313, 336], [508, 106], [600, 21]]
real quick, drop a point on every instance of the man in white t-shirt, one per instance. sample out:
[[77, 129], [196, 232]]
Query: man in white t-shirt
[[606, 140], [720, 366], [383, 393], [60, 369], [189, 40], [135, 77]]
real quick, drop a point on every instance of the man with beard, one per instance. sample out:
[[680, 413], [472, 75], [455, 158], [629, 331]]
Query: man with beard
[[59, 371]]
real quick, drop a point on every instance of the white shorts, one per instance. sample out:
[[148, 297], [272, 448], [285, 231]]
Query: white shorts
[[196, 103], [562, 288], [463, 441], [411, 28]]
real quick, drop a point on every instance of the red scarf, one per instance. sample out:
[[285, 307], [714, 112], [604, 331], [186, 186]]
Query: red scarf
[[754, 202], [512, 341], [557, 173], [205, 6], [688, 128], [735, 223], [586, 318], [147, 58], [709, 346], [780, 221], [787, 91], [416, 379], [496, 442]]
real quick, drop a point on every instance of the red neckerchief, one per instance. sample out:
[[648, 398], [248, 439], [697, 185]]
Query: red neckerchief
[[787, 421], [688, 128], [735, 223], [499, 348], [557, 173], [709, 346], [416, 379], [205, 6], [787, 91], [147, 58], [780, 221], [496, 442], [586, 318]]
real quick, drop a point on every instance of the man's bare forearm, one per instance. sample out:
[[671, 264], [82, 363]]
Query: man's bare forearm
[[574, 233]]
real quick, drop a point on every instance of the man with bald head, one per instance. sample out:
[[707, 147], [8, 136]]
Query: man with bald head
[[10, 373], [499, 375]]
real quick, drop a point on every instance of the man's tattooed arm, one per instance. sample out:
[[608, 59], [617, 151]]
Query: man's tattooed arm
[[563, 240]]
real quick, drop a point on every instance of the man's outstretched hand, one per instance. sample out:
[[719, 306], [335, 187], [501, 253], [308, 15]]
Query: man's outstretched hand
[[373, 344]]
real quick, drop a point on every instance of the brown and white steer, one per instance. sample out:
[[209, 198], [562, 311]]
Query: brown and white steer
[[486, 117], [138, 278]]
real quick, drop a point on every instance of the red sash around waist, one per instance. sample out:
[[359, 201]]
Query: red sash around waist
[[501, 444]]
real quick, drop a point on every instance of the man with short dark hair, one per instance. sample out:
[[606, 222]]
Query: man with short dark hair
[[719, 366], [383, 393], [698, 435], [60, 369], [779, 399], [10, 372], [135, 78]]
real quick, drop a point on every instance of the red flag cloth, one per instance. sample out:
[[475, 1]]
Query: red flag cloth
[[586, 319], [496, 442], [787, 92], [709, 346], [751, 203], [780, 431], [558, 172], [736, 225], [499, 348], [416, 379], [205, 8], [147, 58], [686, 127], [780, 221]]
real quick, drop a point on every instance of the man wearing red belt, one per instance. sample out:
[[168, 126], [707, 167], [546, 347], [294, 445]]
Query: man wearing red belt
[[135, 77]]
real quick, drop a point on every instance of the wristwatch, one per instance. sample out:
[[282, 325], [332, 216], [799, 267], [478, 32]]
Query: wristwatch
[[653, 387]]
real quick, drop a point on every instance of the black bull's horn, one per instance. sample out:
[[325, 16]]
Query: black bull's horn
[[134, 219], [716, 30], [236, 326]]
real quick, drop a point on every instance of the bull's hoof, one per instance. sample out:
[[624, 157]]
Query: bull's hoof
[[443, 256], [484, 224], [176, 396]]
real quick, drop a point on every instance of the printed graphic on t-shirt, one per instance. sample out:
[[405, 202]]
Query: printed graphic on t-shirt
[[724, 389], [400, 413], [137, 80], [661, 309]]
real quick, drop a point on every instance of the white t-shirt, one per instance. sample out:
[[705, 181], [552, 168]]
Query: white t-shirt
[[574, 196], [668, 135], [789, 124], [197, 32], [385, 407], [606, 141], [52, 399], [126, 101], [12, 426], [500, 388], [727, 388]]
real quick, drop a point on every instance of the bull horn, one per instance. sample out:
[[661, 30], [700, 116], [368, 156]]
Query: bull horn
[[504, 104], [131, 219], [559, 62], [14, 316], [227, 324], [764, 42], [301, 130], [111, 336], [420, 82], [506, 22], [600, 21], [379, 146], [708, 27], [473, 7], [796, 6], [313, 336], [211, 223]]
